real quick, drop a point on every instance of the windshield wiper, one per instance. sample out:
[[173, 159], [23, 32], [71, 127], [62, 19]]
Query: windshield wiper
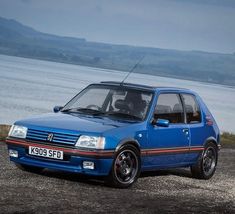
[[123, 115], [96, 112], [90, 111], [84, 111], [68, 110]]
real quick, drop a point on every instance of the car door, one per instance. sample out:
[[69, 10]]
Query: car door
[[168, 146]]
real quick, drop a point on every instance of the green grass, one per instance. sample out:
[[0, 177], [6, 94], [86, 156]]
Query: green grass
[[227, 139], [4, 129]]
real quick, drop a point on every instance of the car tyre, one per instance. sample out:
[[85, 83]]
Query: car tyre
[[28, 168], [207, 162], [126, 167]]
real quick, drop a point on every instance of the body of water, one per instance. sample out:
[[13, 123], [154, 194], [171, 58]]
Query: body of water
[[29, 87]]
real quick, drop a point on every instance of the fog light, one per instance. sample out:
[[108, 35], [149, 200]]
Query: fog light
[[88, 165], [13, 153]]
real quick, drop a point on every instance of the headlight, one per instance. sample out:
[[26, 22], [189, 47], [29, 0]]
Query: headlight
[[91, 142], [18, 131]]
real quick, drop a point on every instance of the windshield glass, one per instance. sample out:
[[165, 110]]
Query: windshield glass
[[111, 101]]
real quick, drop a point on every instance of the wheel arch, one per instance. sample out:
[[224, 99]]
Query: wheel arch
[[129, 141], [112, 178], [212, 140]]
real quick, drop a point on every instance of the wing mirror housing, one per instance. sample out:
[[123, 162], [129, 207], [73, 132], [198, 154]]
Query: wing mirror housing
[[161, 122], [57, 108]]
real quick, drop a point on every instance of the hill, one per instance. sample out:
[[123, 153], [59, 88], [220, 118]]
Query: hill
[[19, 40]]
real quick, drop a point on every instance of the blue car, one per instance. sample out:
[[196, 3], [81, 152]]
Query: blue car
[[119, 130]]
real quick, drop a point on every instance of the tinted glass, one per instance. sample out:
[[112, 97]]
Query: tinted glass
[[169, 107], [193, 112]]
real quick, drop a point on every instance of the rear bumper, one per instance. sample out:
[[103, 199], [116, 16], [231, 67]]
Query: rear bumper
[[74, 158]]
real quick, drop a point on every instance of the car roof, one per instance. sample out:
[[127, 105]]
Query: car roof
[[145, 87]]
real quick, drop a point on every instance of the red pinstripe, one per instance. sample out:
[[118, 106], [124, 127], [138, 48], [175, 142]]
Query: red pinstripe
[[103, 153]]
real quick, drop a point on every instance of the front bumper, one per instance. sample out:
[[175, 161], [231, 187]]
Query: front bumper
[[73, 158]]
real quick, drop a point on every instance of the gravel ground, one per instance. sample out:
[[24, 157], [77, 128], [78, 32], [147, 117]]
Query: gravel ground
[[170, 191]]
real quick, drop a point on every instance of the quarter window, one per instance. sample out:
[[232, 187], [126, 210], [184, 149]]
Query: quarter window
[[193, 113], [169, 107]]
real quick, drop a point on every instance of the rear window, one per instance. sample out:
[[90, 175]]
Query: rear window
[[193, 113]]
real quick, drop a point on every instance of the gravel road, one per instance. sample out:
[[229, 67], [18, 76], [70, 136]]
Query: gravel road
[[170, 191]]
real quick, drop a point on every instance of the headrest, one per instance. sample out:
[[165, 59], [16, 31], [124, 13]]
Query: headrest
[[189, 108], [141, 104], [177, 108], [122, 105], [163, 109]]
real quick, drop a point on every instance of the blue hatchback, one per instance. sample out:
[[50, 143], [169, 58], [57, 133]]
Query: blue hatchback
[[118, 130]]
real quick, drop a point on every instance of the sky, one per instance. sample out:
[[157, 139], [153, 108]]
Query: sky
[[206, 25]]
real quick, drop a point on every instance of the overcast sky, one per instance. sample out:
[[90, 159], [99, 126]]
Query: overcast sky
[[207, 25]]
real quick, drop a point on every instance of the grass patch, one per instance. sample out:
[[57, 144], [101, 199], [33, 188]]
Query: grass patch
[[4, 129], [227, 139]]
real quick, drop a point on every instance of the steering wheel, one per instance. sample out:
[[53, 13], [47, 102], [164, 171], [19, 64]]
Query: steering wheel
[[94, 107]]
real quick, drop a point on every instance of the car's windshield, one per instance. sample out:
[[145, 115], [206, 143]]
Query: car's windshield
[[111, 101]]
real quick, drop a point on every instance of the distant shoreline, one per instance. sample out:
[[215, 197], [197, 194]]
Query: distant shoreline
[[17, 39], [113, 69]]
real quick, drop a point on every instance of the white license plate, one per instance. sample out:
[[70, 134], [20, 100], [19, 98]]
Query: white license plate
[[48, 153]]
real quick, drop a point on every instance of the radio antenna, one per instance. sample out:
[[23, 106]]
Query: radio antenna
[[132, 69]]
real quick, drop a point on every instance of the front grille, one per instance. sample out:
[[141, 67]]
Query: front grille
[[59, 138]]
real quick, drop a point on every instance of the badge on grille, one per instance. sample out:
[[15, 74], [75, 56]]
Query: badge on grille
[[50, 137]]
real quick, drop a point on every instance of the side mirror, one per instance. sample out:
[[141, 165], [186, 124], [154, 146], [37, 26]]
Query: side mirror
[[57, 108], [161, 122]]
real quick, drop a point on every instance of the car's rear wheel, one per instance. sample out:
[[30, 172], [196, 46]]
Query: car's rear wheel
[[126, 167], [206, 165], [28, 168]]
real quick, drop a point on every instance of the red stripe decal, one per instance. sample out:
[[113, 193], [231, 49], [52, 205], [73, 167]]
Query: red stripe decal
[[103, 153], [197, 149], [175, 150]]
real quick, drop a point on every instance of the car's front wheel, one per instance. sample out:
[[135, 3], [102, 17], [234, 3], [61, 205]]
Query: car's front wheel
[[28, 168], [206, 165], [126, 167]]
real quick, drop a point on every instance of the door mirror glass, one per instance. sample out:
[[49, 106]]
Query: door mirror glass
[[162, 122], [57, 108]]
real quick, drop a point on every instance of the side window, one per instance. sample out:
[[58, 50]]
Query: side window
[[193, 112], [169, 107]]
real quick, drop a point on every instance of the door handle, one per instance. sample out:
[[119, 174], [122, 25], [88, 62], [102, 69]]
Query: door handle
[[186, 131]]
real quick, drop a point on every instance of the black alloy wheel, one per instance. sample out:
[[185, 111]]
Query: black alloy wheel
[[126, 167], [206, 166]]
